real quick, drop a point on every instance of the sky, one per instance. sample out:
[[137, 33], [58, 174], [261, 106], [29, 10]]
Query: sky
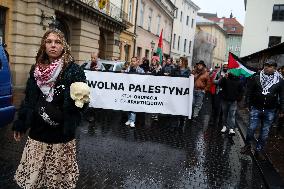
[[223, 8]]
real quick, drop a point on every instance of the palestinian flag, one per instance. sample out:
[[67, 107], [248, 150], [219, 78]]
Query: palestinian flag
[[159, 50], [236, 68]]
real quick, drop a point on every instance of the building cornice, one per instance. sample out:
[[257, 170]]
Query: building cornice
[[193, 5], [85, 10], [166, 10]]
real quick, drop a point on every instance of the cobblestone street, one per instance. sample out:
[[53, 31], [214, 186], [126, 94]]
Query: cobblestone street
[[153, 155]]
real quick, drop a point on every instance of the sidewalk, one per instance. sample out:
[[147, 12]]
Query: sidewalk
[[274, 152]]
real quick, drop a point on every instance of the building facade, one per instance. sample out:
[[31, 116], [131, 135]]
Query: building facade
[[127, 36], [234, 30], [184, 29], [210, 43], [86, 25], [153, 16], [264, 23]]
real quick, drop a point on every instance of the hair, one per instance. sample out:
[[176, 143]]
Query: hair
[[184, 61], [42, 57]]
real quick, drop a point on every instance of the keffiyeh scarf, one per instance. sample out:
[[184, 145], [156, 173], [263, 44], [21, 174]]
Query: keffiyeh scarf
[[267, 81], [46, 76]]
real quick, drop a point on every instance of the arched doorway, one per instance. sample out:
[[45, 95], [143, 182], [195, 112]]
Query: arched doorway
[[62, 26], [102, 44]]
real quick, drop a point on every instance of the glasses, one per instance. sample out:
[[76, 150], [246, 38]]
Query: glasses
[[50, 42]]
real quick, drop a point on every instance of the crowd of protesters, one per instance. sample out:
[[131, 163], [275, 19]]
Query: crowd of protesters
[[263, 93]]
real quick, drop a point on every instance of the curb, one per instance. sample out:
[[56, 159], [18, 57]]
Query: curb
[[272, 178]]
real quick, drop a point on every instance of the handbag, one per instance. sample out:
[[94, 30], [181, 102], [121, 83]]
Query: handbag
[[49, 112]]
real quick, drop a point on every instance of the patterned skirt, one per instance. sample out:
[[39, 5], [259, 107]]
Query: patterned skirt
[[48, 165]]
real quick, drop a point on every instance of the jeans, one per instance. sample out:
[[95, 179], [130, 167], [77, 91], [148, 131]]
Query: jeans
[[267, 116], [198, 96], [229, 109], [132, 117]]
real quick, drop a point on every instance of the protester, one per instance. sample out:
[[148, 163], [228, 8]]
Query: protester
[[94, 64], [49, 156], [169, 68], [145, 64], [155, 68], [201, 81], [264, 92], [232, 91], [216, 93], [133, 68], [182, 71]]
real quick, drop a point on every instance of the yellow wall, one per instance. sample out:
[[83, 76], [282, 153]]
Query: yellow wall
[[219, 51], [127, 36]]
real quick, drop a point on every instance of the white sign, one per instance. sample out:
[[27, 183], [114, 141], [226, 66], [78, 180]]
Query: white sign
[[141, 93]]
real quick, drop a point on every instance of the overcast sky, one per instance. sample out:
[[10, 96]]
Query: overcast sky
[[223, 8]]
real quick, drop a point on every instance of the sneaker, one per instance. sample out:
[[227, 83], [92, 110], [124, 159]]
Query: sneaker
[[259, 156], [246, 149], [231, 132], [127, 123], [224, 129], [132, 124]]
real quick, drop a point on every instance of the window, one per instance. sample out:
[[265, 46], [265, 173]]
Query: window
[[165, 32], [178, 41], [176, 13], [189, 47], [192, 22], [180, 16], [187, 20], [174, 41], [150, 19], [139, 50], [233, 28], [130, 11], [278, 13], [126, 50], [142, 13], [184, 45], [147, 52], [274, 40], [159, 24]]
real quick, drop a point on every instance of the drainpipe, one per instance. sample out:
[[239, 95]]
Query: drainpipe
[[171, 37], [135, 26]]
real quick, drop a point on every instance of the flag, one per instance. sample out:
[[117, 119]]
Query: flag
[[159, 50], [236, 68]]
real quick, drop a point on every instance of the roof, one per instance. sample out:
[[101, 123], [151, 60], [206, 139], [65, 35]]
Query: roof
[[207, 15], [229, 24], [200, 21], [274, 50]]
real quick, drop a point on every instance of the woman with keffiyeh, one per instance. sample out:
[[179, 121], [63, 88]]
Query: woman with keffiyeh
[[265, 94], [49, 156]]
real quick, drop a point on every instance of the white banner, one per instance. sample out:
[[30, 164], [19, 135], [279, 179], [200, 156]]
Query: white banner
[[141, 93]]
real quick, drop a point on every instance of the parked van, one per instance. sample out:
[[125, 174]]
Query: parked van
[[7, 110]]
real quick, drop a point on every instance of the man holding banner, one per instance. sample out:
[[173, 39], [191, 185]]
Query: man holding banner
[[133, 68]]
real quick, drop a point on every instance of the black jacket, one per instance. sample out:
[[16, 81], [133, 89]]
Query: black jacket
[[272, 100], [232, 89], [28, 114]]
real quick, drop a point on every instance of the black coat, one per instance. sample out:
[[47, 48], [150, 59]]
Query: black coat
[[28, 115], [272, 100], [232, 89]]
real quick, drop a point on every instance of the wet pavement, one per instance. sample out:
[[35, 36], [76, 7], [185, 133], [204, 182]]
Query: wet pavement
[[152, 155]]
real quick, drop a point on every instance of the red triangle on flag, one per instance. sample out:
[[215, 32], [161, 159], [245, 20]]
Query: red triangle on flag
[[232, 62]]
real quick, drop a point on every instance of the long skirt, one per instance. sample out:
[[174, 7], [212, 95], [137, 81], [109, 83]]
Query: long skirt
[[48, 165]]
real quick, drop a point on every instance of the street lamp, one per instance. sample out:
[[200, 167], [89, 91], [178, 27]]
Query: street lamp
[[152, 46]]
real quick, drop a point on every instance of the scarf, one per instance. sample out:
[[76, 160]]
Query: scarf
[[46, 76], [267, 81]]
